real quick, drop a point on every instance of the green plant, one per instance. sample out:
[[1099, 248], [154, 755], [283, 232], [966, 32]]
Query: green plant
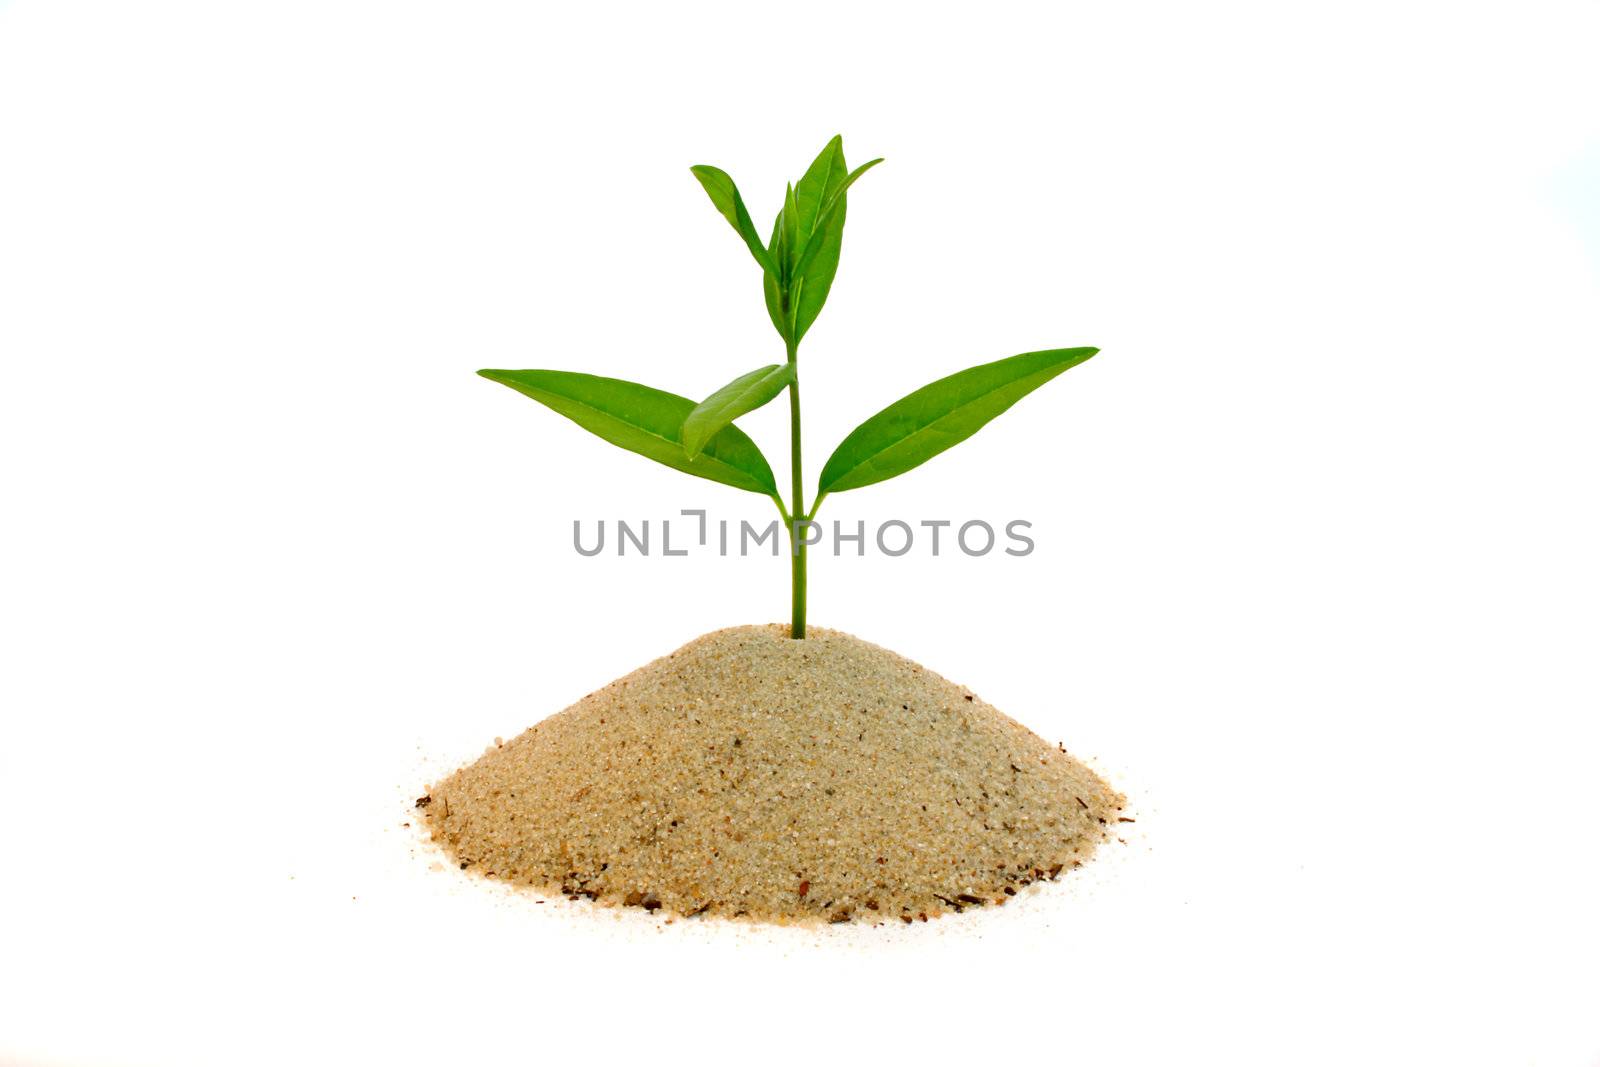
[[798, 264]]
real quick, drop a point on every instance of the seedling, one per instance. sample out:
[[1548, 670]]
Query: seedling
[[797, 267]]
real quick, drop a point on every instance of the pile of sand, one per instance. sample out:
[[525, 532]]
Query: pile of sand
[[748, 774]]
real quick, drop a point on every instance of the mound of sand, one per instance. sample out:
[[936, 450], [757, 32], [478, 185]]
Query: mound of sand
[[747, 774]]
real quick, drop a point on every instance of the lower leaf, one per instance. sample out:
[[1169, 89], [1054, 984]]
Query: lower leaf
[[646, 421]]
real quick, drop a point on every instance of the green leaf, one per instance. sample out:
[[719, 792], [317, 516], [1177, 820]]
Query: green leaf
[[739, 397], [725, 196], [814, 279], [819, 262], [791, 233], [769, 282], [919, 426], [821, 180], [643, 420], [835, 204]]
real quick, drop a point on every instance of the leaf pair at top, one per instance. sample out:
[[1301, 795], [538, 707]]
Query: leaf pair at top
[[799, 261], [798, 265]]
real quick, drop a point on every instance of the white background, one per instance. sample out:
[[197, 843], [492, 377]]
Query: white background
[[1316, 576]]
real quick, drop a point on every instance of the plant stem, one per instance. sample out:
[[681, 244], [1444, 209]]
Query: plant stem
[[797, 507]]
